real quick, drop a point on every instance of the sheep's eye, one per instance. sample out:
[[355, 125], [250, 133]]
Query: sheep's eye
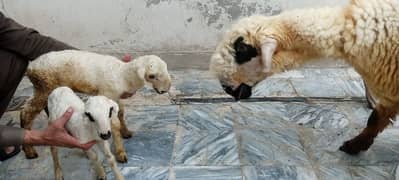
[[151, 76], [110, 112], [89, 116]]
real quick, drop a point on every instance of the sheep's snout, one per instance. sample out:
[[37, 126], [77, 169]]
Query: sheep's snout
[[160, 91], [243, 91], [105, 136]]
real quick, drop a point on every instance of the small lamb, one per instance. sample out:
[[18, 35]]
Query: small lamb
[[93, 74], [90, 121]]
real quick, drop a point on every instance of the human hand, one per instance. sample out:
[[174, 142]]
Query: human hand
[[56, 135]]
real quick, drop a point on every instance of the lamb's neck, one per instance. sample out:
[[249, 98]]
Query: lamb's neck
[[312, 34], [131, 77]]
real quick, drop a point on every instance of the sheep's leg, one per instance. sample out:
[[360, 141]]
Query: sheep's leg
[[97, 165], [111, 160], [378, 120], [370, 99], [121, 155], [27, 116], [121, 115], [56, 163]]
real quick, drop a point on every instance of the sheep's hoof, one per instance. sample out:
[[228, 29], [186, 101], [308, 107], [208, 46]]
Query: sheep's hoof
[[121, 157], [356, 145], [126, 134], [30, 152]]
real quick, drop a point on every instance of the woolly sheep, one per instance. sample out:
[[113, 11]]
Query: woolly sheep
[[93, 74], [90, 121], [364, 33]]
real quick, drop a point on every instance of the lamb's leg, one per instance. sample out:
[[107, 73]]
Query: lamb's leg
[[111, 160], [121, 115], [121, 155], [27, 116], [56, 163], [378, 120], [101, 175]]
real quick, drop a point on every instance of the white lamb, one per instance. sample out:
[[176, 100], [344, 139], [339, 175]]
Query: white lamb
[[92, 74], [90, 121], [364, 33]]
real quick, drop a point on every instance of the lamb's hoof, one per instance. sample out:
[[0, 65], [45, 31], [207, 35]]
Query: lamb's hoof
[[356, 145], [30, 152], [59, 177], [102, 178], [121, 157], [126, 134]]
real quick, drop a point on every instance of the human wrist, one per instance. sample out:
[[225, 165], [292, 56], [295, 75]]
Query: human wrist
[[34, 137]]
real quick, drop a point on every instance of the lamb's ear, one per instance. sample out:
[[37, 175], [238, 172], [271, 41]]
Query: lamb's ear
[[268, 47], [114, 107], [89, 116], [141, 73]]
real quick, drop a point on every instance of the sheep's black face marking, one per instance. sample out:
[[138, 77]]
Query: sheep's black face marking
[[243, 52], [151, 76], [110, 112], [89, 116], [242, 92]]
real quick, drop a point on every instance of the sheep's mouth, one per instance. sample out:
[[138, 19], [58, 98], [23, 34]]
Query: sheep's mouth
[[159, 92], [243, 91]]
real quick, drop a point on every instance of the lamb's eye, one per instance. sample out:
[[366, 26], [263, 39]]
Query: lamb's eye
[[89, 116], [110, 112], [151, 76]]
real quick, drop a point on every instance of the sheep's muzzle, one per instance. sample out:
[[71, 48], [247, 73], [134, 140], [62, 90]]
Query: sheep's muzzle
[[243, 91], [105, 136]]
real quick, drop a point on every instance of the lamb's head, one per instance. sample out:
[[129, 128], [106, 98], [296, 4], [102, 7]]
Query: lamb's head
[[242, 58], [100, 111], [155, 71]]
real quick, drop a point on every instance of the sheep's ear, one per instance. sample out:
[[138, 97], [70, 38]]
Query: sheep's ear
[[141, 73], [89, 116], [268, 47]]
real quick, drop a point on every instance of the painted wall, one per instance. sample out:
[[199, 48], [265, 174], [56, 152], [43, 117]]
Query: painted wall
[[143, 25]]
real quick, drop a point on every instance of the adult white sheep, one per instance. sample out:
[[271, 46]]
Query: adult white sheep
[[93, 74], [90, 121], [364, 33]]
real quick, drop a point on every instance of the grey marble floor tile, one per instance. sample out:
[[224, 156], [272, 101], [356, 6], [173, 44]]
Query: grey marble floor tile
[[143, 173], [207, 173], [319, 87], [352, 87], [260, 147], [206, 148], [74, 165], [278, 172], [25, 88], [358, 113], [187, 83], [261, 115], [149, 148], [333, 172], [206, 117], [323, 145], [273, 87], [211, 87], [373, 172], [325, 72], [159, 118], [320, 115]]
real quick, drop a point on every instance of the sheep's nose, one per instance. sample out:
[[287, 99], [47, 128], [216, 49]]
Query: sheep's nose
[[160, 92], [243, 91], [105, 136]]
